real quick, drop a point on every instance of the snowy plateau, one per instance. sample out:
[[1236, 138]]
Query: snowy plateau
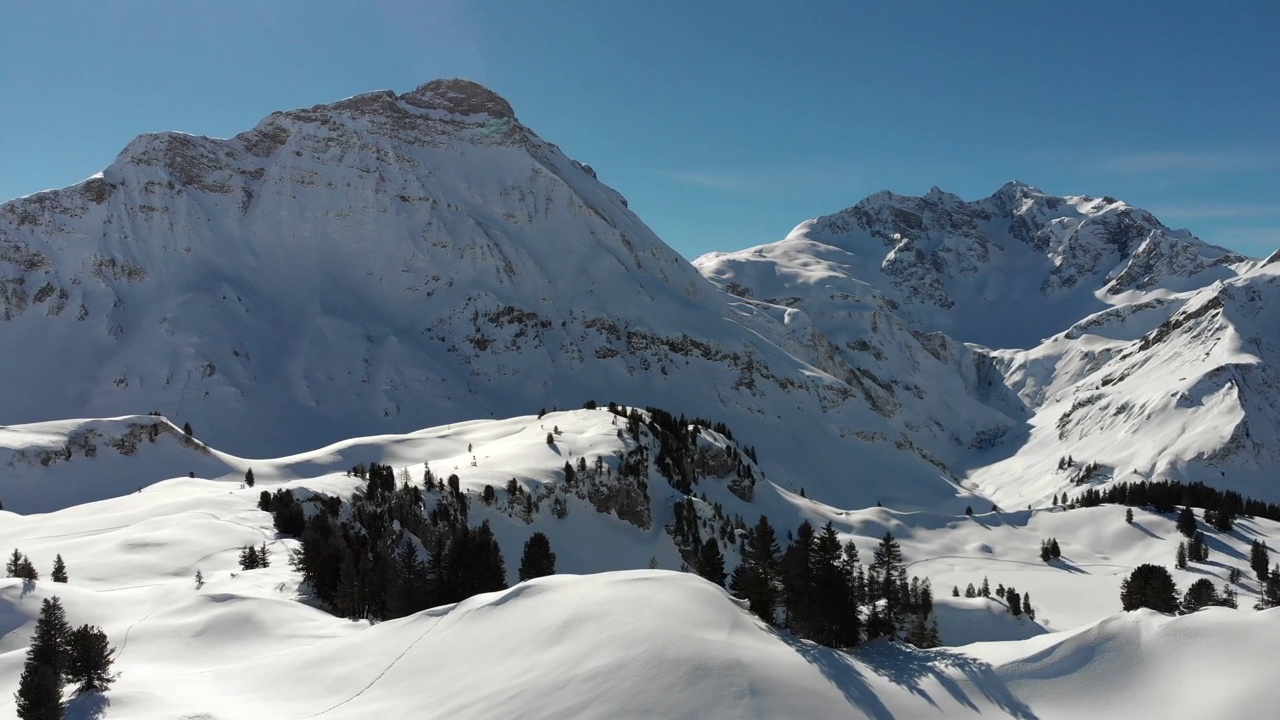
[[419, 281]]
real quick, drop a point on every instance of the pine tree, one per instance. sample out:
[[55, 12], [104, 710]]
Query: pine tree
[[1045, 554], [248, 557], [89, 662], [1149, 586], [538, 559], [248, 477], [955, 591], [1180, 561], [970, 592], [59, 574], [39, 695], [756, 578], [1128, 515], [1259, 559], [986, 588], [711, 562], [1014, 601], [27, 570], [51, 636], [264, 556], [887, 564], [1055, 551], [186, 428], [1186, 521], [1026, 606], [798, 591], [1000, 591], [1201, 594], [1198, 549], [14, 564]]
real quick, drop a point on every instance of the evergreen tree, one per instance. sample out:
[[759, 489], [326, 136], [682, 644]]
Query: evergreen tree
[[1271, 588], [1128, 515], [970, 592], [1259, 559], [1201, 594], [248, 477], [798, 592], [538, 559], [248, 557], [834, 606], [711, 562], [1055, 551], [89, 662], [1026, 606], [264, 556], [1180, 561], [955, 591], [27, 570], [14, 564], [888, 566], [1198, 549], [1045, 553], [1149, 586], [1014, 601], [186, 428], [52, 634], [1186, 521], [59, 574], [1223, 519], [986, 588], [756, 578], [39, 695]]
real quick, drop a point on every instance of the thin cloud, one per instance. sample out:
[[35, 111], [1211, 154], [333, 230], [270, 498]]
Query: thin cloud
[[1194, 161]]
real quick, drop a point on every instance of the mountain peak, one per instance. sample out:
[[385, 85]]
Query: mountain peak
[[460, 97]]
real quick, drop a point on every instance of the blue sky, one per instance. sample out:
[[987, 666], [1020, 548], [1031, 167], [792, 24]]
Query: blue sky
[[724, 123]]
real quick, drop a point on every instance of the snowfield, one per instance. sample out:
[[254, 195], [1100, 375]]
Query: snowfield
[[621, 643]]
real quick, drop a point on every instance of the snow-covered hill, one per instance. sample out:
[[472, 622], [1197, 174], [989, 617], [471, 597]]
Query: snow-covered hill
[[640, 643]]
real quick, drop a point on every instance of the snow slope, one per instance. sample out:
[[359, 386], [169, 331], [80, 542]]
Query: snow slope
[[1108, 337], [617, 644], [1184, 388]]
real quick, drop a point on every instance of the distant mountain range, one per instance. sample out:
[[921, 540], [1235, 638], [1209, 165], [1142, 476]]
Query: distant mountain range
[[390, 262]]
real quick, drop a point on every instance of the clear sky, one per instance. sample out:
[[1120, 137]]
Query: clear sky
[[724, 123]]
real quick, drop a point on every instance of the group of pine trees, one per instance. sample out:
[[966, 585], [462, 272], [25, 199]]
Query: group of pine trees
[[1017, 604], [1049, 550], [1151, 586], [252, 558], [20, 566], [1221, 506], [384, 555], [61, 655], [818, 589]]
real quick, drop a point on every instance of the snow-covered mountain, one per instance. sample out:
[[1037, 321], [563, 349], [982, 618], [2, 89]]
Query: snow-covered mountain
[[1005, 271], [1090, 331], [389, 262]]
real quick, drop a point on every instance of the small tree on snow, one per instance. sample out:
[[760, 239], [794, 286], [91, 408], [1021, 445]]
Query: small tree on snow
[[59, 574], [248, 477], [89, 661]]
